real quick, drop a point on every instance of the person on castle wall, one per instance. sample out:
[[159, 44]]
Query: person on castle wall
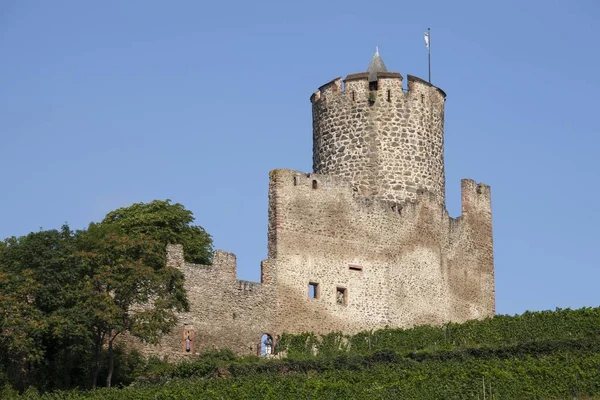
[[268, 345], [188, 343]]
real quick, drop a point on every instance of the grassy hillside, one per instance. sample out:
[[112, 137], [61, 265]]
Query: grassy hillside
[[537, 355]]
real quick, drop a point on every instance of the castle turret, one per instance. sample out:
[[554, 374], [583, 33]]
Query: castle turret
[[387, 142]]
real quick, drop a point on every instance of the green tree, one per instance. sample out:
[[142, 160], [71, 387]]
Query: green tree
[[128, 288], [166, 223], [65, 297], [43, 335]]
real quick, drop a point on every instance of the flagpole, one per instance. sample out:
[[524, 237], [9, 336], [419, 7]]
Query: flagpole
[[429, 53]]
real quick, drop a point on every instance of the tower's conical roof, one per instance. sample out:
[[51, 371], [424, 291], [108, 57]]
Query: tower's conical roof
[[376, 66]]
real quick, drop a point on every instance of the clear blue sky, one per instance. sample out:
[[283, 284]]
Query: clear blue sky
[[103, 104]]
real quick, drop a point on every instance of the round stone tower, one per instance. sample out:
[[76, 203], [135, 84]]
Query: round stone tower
[[389, 143]]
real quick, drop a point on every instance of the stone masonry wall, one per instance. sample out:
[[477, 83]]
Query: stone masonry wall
[[417, 265], [224, 311], [386, 142], [399, 266]]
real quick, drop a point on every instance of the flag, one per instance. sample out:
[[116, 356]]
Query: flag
[[427, 39]]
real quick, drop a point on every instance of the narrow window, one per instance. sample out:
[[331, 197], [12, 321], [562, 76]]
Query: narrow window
[[354, 267], [314, 184], [389, 95], [295, 181], [353, 95], [313, 290], [341, 296]]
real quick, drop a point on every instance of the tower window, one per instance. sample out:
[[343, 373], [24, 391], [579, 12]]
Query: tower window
[[354, 267], [373, 85], [295, 181], [314, 184], [341, 296], [389, 95], [313, 290]]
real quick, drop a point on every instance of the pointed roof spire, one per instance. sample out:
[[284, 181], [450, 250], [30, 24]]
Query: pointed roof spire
[[376, 66]]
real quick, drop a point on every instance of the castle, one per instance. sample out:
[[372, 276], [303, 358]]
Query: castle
[[363, 242]]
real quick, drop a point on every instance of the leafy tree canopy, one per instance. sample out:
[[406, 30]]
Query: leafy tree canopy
[[128, 288], [66, 296], [167, 224]]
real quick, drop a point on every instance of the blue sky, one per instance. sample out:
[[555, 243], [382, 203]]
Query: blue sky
[[103, 104]]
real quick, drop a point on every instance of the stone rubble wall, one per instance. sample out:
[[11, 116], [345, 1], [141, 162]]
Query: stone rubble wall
[[399, 265], [387, 143], [225, 312]]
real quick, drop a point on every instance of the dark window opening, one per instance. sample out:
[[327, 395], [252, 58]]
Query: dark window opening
[[295, 181], [389, 93], [313, 290], [397, 208], [373, 85], [354, 267], [353, 96], [341, 296], [314, 184]]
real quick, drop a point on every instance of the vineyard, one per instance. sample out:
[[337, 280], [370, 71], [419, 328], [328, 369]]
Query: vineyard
[[537, 355]]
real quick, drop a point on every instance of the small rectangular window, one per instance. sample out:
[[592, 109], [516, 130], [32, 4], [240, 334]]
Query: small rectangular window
[[313, 290], [354, 267], [341, 296]]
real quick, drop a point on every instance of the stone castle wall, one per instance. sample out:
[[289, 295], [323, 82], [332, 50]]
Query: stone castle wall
[[398, 265], [225, 312], [388, 143], [363, 243]]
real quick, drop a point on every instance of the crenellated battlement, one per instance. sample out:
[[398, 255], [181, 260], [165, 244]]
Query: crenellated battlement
[[417, 85], [475, 197], [223, 269], [357, 88]]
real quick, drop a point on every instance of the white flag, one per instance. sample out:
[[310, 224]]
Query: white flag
[[427, 39]]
